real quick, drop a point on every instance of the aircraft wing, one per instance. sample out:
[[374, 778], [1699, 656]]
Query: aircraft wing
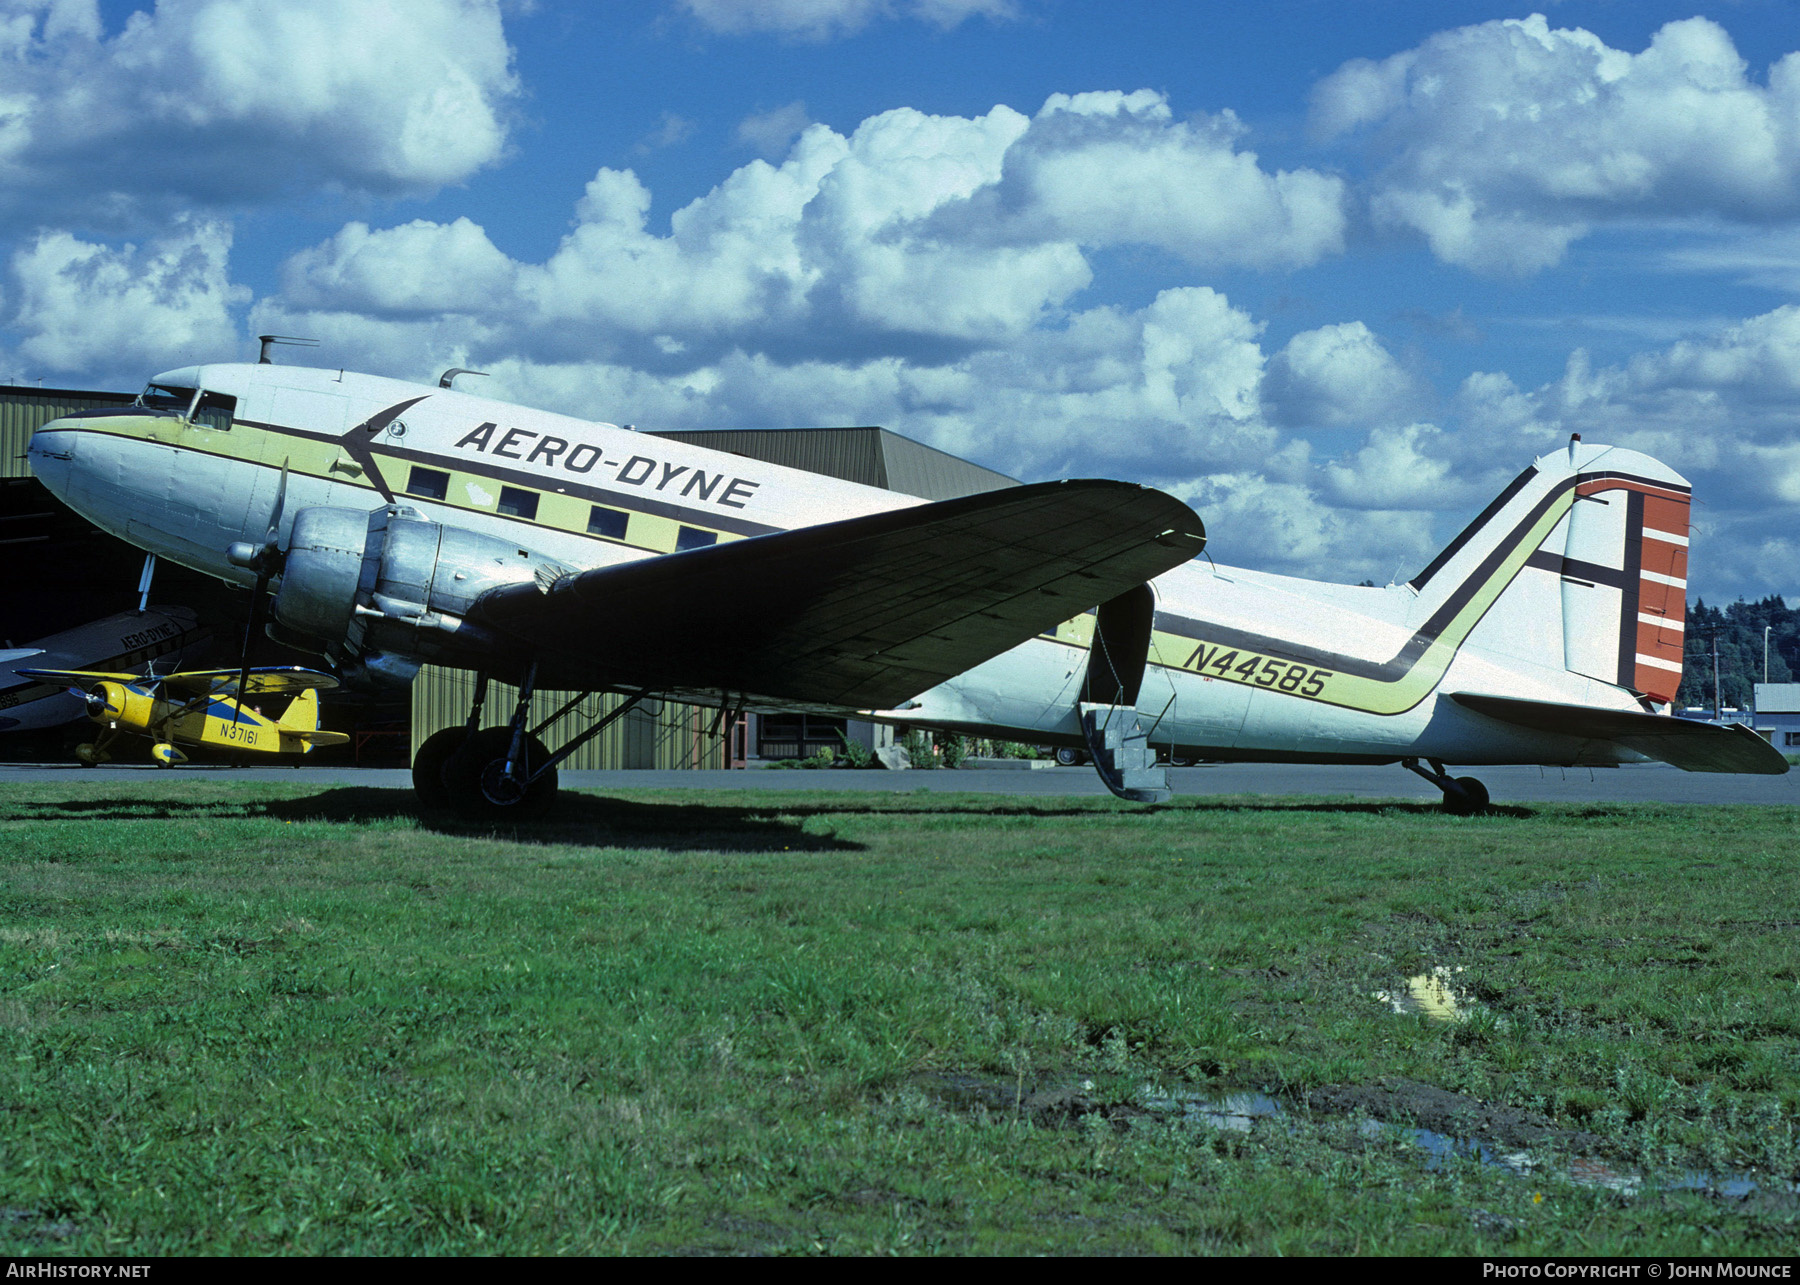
[[83, 678], [1694, 747], [281, 680], [862, 613]]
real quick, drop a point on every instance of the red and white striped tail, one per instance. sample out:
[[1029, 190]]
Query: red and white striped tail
[[1662, 596], [1625, 579]]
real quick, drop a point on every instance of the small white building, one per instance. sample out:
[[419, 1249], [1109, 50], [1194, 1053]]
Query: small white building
[[1778, 715]]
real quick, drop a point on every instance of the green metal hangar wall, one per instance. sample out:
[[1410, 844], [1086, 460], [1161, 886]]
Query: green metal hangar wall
[[63, 572], [67, 572]]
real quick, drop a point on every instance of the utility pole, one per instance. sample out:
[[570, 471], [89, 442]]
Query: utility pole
[[1718, 707]]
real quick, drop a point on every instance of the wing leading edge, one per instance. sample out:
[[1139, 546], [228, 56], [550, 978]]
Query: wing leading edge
[[863, 613], [1695, 747]]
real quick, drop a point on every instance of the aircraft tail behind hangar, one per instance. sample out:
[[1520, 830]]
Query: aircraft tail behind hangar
[[1584, 560]]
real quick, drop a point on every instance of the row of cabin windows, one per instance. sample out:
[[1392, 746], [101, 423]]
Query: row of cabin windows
[[517, 502]]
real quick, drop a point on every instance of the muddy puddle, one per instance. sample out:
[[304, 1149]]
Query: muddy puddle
[[1430, 995], [1443, 1125]]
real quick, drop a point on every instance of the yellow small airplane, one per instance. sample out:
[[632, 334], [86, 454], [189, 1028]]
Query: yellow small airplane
[[208, 707]]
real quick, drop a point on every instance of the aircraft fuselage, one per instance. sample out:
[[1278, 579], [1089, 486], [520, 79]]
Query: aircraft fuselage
[[1241, 665]]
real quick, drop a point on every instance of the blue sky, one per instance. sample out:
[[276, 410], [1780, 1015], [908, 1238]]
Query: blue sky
[[1331, 272]]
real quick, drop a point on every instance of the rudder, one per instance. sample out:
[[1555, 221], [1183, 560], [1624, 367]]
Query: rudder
[[1586, 553]]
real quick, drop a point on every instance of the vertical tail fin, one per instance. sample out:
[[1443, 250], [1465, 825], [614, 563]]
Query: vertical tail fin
[[302, 713], [1584, 560], [1624, 581]]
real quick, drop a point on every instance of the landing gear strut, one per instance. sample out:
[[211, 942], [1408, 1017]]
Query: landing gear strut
[[1464, 796], [496, 773], [489, 773]]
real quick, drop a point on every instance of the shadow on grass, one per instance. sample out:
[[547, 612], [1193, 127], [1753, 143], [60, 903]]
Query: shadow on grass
[[580, 820], [767, 823]]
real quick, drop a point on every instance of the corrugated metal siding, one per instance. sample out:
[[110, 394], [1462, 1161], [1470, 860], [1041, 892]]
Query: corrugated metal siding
[[870, 456], [23, 409], [676, 737], [916, 469], [853, 454]]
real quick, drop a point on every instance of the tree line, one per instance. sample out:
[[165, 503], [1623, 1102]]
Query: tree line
[[1738, 628]]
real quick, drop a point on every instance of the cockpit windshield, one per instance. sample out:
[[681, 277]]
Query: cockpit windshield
[[166, 397], [212, 410]]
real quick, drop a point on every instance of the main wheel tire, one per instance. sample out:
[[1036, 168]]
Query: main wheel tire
[[1067, 756], [479, 788], [1471, 802], [428, 766]]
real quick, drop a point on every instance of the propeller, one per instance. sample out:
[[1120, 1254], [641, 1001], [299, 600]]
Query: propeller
[[266, 559]]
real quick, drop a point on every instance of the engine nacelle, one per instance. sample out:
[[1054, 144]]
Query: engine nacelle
[[390, 589]]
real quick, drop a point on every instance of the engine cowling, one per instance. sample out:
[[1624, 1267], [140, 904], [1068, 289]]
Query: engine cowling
[[390, 590]]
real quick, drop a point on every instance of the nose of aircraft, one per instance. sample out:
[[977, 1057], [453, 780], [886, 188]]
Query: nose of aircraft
[[52, 454]]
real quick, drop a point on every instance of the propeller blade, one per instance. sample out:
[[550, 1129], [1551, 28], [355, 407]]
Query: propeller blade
[[280, 501], [256, 601], [266, 560]]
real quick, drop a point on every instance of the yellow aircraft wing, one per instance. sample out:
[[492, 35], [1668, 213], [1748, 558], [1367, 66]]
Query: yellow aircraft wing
[[273, 681]]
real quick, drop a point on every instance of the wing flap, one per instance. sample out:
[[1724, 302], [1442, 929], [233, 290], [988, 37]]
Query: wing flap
[[1691, 746], [862, 613]]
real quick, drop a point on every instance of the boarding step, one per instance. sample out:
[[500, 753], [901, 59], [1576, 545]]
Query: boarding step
[[1122, 754]]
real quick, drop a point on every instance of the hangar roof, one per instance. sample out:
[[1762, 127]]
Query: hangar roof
[[871, 456], [1778, 698]]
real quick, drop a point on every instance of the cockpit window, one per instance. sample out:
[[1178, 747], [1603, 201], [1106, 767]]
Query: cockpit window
[[215, 411], [166, 397]]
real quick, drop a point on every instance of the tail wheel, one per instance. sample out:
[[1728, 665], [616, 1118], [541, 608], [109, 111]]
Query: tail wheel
[[429, 763], [1069, 756], [478, 783], [1471, 802]]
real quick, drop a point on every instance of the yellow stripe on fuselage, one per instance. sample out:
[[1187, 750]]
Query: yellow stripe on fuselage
[[325, 460], [1195, 654]]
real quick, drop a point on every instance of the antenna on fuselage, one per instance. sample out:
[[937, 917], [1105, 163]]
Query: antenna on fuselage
[[269, 341], [449, 376]]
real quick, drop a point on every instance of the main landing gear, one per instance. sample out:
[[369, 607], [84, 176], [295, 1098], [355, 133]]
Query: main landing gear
[[500, 773], [1464, 796]]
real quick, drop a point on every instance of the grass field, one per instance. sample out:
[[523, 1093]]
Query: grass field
[[273, 1019]]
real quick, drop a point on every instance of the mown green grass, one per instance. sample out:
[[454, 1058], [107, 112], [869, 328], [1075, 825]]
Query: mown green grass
[[264, 1019]]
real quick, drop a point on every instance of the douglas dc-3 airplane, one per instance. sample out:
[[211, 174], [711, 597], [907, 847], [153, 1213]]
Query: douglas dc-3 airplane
[[400, 524], [128, 641]]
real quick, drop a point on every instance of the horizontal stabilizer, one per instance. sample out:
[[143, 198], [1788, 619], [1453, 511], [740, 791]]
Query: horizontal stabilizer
[[1691, 746], [862, 613]]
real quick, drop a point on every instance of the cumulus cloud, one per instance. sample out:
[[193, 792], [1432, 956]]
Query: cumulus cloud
[[1398, 468], [825, 19], [769, 134], [1335, 376], [921, 236], [218, 102], [94, 308], [1504, 142], [1253, 520], [1110, 168]]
